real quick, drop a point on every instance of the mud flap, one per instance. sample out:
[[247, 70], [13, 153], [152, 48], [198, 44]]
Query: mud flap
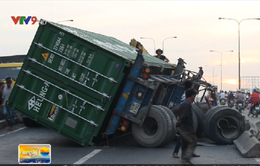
[[248, 145]]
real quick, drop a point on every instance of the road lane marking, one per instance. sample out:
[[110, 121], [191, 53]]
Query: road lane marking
[[12, 131], [85, 158], [257, 160]]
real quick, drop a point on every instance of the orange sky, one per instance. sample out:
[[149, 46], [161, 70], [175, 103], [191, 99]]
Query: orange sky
[[195, 23]]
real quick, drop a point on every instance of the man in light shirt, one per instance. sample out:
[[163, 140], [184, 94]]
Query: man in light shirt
[[222, 96], [7, 111]]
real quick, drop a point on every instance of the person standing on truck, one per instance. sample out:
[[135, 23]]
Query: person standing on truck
[[7, 111], [187, 130], [159, 55], [187, 85]]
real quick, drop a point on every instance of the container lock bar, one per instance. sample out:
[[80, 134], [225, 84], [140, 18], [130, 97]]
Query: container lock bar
[[65, 91], [89, 121], [95, 80], [35, 61], [111, 79], [39, 45], [105, 95], [64, 57]]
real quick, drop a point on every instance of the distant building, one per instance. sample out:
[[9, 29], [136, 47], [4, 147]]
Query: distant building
[[12, 58]]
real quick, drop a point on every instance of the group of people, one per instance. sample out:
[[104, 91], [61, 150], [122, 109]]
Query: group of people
[[5, 91], [215, 96], [239, 97]]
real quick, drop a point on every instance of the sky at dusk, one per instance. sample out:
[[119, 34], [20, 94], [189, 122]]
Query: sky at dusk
[[196, 25]]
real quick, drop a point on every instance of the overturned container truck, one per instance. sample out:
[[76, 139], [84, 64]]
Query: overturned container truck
[[87, 86]]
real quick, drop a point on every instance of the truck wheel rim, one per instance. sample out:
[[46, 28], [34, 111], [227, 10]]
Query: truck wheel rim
[[150, 126], [228, 127]]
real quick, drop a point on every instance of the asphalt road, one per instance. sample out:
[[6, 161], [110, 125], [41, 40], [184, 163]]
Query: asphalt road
[[122, 150]]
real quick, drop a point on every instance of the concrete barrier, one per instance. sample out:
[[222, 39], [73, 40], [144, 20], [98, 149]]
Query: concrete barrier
[[255, 129], [248, 145], [247, 122]]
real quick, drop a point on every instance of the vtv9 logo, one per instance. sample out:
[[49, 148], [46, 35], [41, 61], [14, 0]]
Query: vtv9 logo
[[23, 19]]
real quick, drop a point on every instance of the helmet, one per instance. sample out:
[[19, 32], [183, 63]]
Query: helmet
[[254, 90]]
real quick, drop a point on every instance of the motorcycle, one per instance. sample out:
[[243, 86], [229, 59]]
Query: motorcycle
[[240, 107], [255, 109], [231, 103], [222, 102]]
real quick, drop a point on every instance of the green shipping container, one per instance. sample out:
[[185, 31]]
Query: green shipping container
[[71, 79]]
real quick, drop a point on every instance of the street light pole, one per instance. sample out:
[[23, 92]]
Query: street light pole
[[221, 62], [165, 39], [213, 68], [151, 39], [238, 22]]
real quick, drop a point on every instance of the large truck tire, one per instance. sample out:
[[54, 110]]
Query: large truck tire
[[156, 127], [200, 119], [173, 127], [207, 116], [175, 109], [204, 106], [223, 124]]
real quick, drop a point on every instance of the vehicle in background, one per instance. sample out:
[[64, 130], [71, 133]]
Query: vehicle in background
[[222, 101], [240, 107], [231, 103], [256, 109]]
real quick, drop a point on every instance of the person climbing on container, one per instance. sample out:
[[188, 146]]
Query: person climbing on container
[[159, 55], [187, 130], [7, 111], [187, 85]]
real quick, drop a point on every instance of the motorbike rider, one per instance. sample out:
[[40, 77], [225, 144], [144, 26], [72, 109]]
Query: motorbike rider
[[240, 98], [254, 97], [226, 94], [222, 96], [230, 96]]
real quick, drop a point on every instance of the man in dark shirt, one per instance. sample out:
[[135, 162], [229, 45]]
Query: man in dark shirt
[[187, 130], [159, 55]]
